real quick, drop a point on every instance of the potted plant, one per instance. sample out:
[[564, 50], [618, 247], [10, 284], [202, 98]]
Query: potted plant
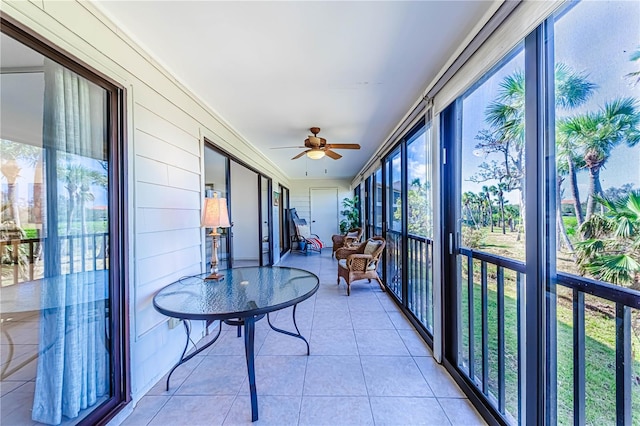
[[350, 213]]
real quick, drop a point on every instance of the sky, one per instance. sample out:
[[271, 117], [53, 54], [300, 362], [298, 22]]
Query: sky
[[594, 37]]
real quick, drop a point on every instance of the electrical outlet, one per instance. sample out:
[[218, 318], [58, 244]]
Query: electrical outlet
[[174, 322]]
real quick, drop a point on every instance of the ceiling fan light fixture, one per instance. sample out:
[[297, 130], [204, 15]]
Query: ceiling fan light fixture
[[315, 154], [314, 140]]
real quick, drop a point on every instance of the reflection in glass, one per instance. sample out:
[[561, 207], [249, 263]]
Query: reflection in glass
[[54, 243]]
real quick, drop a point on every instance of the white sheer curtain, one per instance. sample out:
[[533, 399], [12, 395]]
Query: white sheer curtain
[[73, 362]]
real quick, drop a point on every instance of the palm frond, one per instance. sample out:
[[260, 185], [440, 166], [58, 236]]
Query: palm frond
[[572, 88], [617, 269]]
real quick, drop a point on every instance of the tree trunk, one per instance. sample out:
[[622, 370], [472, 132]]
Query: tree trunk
[[504, 225], [562, 230], [521, 225], [575, 193], [595, 188], [11, 172]]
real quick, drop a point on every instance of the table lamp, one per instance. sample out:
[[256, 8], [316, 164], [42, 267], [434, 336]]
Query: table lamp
[[215, 215]]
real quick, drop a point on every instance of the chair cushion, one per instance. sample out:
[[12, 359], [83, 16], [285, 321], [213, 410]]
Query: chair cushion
[[372, 266], [352, 234], [371, 247], [342, 263], [304, 231]]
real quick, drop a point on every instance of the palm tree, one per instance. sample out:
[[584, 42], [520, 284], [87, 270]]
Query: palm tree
[[488, 190], [505, 116], [635, 57], [78, 180], [14, 153], [611, 251], [568, 162], [597, 133], [468, 199]]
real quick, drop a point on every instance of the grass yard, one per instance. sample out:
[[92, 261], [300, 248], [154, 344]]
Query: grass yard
[[599, 346]]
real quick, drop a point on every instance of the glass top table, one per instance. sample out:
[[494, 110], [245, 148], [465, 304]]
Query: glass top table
[[244, 296]]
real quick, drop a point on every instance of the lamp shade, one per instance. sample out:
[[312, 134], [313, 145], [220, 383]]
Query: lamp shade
[[215, 213], [315, 154]]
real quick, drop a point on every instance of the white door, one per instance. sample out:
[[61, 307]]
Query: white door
[[324, 213]]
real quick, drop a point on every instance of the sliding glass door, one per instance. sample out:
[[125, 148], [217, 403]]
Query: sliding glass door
[[393, 209], [283, 211], [488, 209], [60, 239]]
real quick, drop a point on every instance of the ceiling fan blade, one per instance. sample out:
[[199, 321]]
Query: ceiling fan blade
[[342, 146], [288, 147], [301, 154], [332, 154]]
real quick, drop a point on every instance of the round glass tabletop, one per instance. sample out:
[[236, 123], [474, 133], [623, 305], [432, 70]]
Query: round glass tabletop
[[242, 293]]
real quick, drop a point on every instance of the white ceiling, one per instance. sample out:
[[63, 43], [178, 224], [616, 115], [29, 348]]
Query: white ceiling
[[273, 69]]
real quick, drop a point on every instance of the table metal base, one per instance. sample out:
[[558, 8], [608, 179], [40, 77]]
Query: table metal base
[[183, 359], [249, 324]]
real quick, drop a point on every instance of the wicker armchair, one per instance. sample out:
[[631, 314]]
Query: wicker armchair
[[351, 237], [360, 262]]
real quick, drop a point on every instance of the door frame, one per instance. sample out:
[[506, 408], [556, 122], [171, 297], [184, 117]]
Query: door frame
[[118, 283]]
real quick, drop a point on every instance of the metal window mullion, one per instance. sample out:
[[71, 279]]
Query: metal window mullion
[[520, 307], [423, 284], [533, 393], [579, 388], [623, 365], [405, 221], [485, 328], [472, 356], [501, 343]]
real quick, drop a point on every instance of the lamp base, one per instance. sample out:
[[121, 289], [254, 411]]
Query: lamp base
[[214, 276]]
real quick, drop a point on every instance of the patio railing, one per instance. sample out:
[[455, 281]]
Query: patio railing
[[23, 259], [490, 339], [418, 262]]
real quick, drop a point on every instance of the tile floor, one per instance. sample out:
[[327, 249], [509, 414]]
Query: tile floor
[[367, 366]]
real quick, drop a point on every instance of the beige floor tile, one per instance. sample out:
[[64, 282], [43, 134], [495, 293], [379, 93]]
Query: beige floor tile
[[380, 342], [145, 410], [333, 342], [215, 375], [193, 411], [460, 412], [332, 411], [438, 378], [393, 376], [334, 376], [272, 410], [278, 375], [407, 411]]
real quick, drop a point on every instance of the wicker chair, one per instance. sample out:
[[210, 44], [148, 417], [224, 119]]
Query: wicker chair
[[360, 262], [351, 237]]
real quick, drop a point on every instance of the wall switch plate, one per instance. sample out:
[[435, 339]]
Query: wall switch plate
[[174, 322]]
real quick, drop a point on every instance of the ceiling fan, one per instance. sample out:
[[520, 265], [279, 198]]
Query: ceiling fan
[[318, 147]]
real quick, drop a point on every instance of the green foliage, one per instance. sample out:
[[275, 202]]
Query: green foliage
[[350, 213], [419, 209], [611, 249], [473, 238], [571, 225]]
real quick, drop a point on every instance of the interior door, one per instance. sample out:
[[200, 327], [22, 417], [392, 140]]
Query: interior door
[[324, 213]]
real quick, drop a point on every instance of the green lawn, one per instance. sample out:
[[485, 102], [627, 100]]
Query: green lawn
[[599, 355]]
